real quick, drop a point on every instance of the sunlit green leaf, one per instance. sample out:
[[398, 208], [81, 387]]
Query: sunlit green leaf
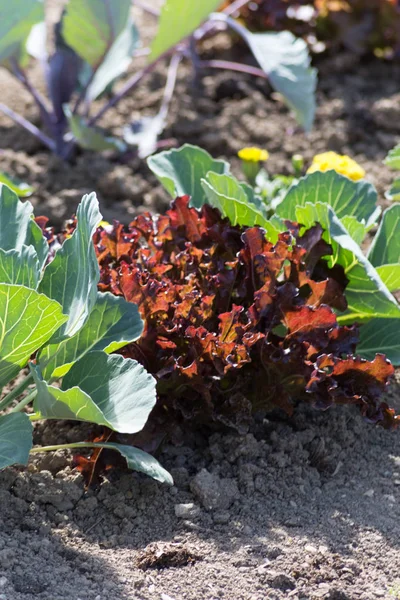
[[116, 62], [91, 138], [393, 158], [286, 61], [393, 193], [356, 229], [138, 460], [15, 439], [19, 187], [178, 19], [27, 321], [16, 21], [180, 171], [346, 197], [20, 267], [90, 27], [366, 294], [72, 276], [385, 249], [390, 275], [17, 227], [109, 390], [112, 324]]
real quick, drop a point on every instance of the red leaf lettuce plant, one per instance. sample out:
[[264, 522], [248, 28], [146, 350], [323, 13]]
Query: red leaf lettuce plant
[[95, 43], [236, 322]]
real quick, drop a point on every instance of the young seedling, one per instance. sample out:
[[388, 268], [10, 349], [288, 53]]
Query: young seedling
[[95, 43], [55, 322]]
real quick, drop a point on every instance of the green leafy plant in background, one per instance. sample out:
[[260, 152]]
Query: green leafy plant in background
[[50, 309], [346, 209], [22, 189], [95, 43]]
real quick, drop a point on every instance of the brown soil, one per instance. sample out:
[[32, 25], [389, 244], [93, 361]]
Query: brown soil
[[303, 508], [358, 114]]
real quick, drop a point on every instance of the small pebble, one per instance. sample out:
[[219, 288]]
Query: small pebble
[[187, 511]]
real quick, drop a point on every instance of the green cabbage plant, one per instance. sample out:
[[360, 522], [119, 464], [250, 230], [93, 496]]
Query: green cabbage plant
[[56, 326]]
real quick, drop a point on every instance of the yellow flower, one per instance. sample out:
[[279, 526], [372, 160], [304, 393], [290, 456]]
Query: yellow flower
[[253, 154], [104, 224], [342, 164]]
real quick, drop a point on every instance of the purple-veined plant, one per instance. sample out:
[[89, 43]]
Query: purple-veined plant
[[95, 42]]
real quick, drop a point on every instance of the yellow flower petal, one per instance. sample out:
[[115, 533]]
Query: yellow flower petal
[[341, 163], [253, 154]]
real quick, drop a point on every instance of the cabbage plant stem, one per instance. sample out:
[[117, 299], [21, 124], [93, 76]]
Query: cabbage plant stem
[[66, 447], [25, 401], [17, 391]]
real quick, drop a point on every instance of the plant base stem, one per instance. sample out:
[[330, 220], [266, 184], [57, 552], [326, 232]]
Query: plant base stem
[[232, 66], [28, 126], [17, 391], [25, 401], [65, 447]]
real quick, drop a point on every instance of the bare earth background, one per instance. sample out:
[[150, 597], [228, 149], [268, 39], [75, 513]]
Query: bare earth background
[[300, 508]]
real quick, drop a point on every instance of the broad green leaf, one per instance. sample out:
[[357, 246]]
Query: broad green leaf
[[91, 138], [27, 321], [393, 193], [178, 19], [286, 61], [356, 229], [393, 158], [16, 21], [366, 295], [137, 460], [346, 197], [385, 249], [90, 27], [73, 404], [108, 390], [390, 275], [20, 267], [72, 276], [116, 62], [112, 324], [121, 388], [17, 227], [229, 196], [15, 439], [380, 335], [23, 190], [180, 171]]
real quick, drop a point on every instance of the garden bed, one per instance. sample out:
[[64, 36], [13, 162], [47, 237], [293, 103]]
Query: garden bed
[[299, 508]]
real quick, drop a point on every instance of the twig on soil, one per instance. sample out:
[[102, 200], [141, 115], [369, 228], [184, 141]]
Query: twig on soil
[[94, 525]]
